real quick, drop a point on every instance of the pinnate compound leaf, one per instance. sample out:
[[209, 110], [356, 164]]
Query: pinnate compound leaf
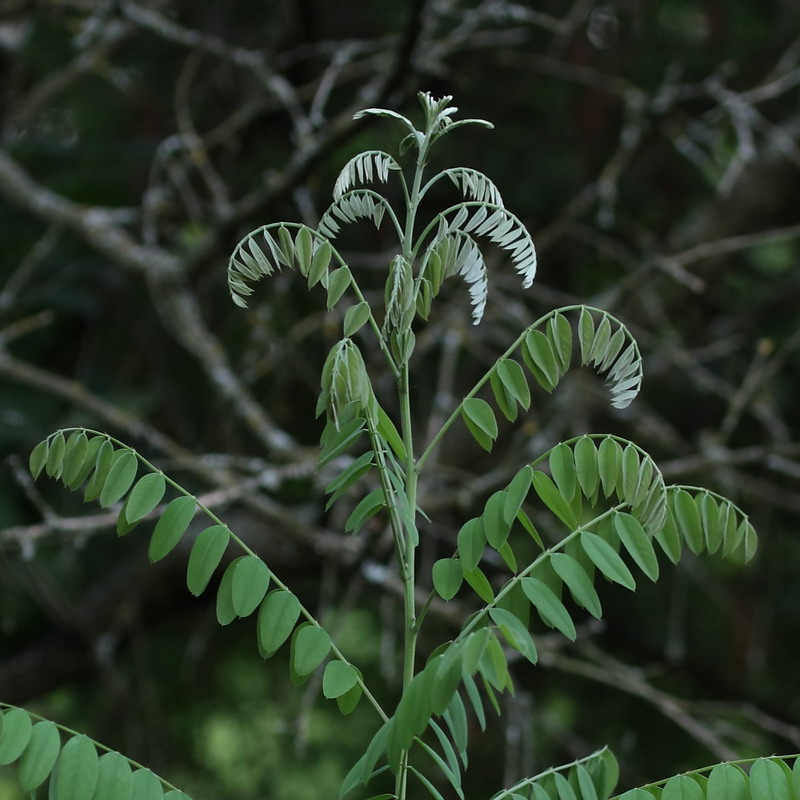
[[75, 773], [146, 785], [338, 679], [249, 585], [38, 458], [310, 645], [578, 582], [727, 782], [276, 619], [120, 478], [40, 755], [607, 560], [207, 552], [16, 735], [637, 543], [447, 577], [549, 607], [145, 496], [171, 527], [114, 778]]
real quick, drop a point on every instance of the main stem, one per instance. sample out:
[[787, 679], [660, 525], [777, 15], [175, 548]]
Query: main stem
[[410, 539]]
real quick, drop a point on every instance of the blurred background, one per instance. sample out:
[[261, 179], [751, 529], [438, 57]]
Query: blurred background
[[653, 151]]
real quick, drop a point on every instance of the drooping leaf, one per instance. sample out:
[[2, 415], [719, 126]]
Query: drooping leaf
[[479, 413], [276, 619], [607, 560], [40, 755], [515, 633], [145, 496], [550, 495], [249, 585], [55, 456], [609, 463], [637, 543], [495, 527], [16, 735], [356, 317], [226, 613], [338, 679], [447, 577], [367, 508], [87, 464], [74, 455], [38, 458], [102, 465], [114, 778], [549, 607], [480, 584], [578, 583], [310, 645], [171, 527], [562, 468], [336, 441], [516, 493], [146, 785], [120, 477], [541, 361], [688, 518], [727, 782], [471, 542], [207, 552], [75, 773], [514, 380]]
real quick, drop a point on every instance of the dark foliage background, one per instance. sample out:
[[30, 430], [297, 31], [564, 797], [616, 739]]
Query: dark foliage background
[[653, 150]]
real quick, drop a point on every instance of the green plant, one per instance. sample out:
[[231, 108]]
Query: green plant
[[607, 494]]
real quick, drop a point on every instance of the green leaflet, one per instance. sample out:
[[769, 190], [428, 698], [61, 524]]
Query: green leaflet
[[171, 527], [551, 496], [636, 794], [338, 281], [607, 560], [514, 381], [15, 736], [471, 543], [319, 263], [586, 466], [480, 420], [515, 633], [727, 782], [559, 332], [637, 543], [550, 608], [120, 477], [585, 783], [681, 787], [367, 507], [207, 552], [249, 584], [145, 496], [338, 679], [356, 317], [447, 577], [102, 465], [688, 518], [337, 441], [504, 401], [114, 778], [480, 584], [276, 619], [565, 791], [541, 360], [516, 493], [609, 464], [226, 613], [38, 458], [304, 249], [769, 781], [40, 755], [562, 468], [310, 646], [74, 455], [146, 785], [87, 464], [55, 456], [387, 429], [495, 526], [348, 701], [75, 773], [347, 477], [578, 582]]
